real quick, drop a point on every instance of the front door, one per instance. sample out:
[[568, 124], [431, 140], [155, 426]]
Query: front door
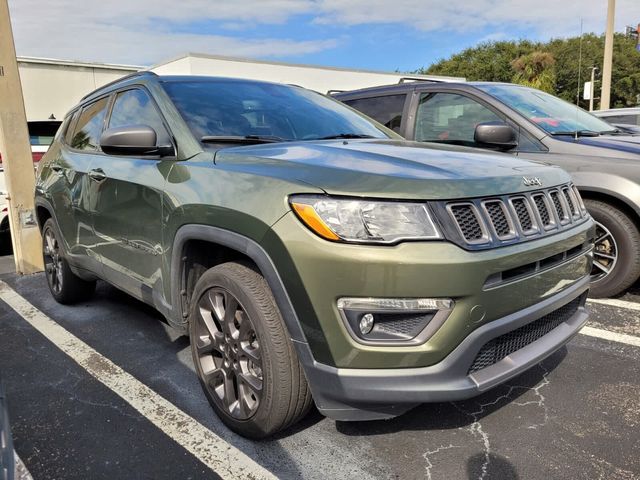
[[129, 194]]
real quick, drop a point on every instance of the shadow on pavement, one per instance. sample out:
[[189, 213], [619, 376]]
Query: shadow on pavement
[[497, 467]]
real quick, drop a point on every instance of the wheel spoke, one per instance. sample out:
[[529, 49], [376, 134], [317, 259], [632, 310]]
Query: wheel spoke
[[213, 377], [601, 238], [252, 353], [252, 382], [604, 255], [601, 267], [229, 391], [231, 306]]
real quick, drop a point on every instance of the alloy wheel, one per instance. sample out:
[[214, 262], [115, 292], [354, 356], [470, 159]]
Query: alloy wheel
[[605, 253], [228, 353], [52, 261]]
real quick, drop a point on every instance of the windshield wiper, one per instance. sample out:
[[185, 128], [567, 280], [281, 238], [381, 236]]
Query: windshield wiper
[[579, 133], [249, 139], [344, 135]]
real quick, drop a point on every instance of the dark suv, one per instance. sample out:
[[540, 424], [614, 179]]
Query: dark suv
[[532, 124], [307, 250]]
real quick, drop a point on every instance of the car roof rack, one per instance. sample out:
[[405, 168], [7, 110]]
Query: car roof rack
[[331, 92], [141, 73], [417, 79]]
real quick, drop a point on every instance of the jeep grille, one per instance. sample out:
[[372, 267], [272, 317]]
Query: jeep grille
[[487, 222]]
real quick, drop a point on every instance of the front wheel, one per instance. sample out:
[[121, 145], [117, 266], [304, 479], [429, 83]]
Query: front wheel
[[616, 254], [243, 356]]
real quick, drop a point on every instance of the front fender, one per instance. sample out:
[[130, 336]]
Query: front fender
[[621, 188]]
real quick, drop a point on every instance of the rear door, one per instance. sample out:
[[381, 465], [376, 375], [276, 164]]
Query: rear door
[[69, 181], [129, 194]]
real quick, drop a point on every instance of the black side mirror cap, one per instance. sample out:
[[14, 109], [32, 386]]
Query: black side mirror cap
[[137, 140], [495, 134]]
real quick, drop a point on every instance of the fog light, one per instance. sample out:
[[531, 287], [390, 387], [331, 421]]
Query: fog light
[[393, 321], [366, 323]]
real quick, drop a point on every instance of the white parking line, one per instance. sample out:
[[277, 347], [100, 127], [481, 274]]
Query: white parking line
[[612, 336], [613, 302], [221, 457]]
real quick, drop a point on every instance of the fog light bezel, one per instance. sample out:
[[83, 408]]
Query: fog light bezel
[[350, 307]]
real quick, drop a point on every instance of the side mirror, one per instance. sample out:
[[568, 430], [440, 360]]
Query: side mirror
[[495, 134], [134, 140]]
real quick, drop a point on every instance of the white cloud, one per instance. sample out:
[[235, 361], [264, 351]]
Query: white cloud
[[146, 31], [548, 18]]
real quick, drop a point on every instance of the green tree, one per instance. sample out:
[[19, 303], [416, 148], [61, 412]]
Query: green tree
[[494, 61], [535, 69]]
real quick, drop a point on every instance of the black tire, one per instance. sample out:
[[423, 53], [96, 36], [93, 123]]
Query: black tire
[[65, 286], [226, 296], [617, 236]]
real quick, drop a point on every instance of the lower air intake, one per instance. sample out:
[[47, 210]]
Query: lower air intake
[[500, 347]]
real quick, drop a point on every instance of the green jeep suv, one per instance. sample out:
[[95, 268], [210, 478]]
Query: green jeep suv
[[310, 253]]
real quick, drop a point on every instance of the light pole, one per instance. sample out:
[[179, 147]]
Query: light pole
[[605, 93], [593, 79]]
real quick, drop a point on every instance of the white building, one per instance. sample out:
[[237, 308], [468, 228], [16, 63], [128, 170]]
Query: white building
[[51, 87], [321, 79]]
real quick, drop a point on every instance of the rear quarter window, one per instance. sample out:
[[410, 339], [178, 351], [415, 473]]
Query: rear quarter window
[[386, 109]]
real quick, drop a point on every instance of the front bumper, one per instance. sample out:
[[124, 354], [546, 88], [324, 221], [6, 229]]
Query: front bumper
[[369, 394]]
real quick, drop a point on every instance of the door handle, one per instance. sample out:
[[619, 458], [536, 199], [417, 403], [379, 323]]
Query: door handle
[[97, 175]]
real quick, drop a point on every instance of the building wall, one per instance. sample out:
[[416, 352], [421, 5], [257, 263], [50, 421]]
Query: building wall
[[50, 88], [316, 78]]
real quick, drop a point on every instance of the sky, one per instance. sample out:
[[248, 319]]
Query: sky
[[382, 35]]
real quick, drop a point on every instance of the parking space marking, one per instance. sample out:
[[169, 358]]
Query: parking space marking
[[612, 336], [614, 302], [221, 457]]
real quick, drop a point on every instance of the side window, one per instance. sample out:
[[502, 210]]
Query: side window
[[386, 110], [450, 118], [134, 107], [624, 119], [86, 134]]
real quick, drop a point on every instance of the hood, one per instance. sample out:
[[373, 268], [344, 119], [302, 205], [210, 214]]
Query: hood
[[391, 168], [620, 143]]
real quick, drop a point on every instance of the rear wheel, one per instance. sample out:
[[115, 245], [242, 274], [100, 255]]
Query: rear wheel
[[616, 255], [243, 356], [65, 286]]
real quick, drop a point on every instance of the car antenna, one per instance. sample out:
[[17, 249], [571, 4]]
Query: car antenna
[[579, 77]]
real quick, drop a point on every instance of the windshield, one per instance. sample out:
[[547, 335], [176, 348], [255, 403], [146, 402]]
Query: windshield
[[238, 108], [548, 112]]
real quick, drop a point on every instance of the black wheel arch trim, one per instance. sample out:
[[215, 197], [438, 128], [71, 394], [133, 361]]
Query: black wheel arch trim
[[241, 244]]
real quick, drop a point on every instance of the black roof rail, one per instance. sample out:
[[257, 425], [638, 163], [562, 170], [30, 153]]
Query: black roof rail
[[417, 79], [331, 92], [141, 73]]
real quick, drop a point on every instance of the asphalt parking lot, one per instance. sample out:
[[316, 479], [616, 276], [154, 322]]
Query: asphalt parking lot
[[77, 402]]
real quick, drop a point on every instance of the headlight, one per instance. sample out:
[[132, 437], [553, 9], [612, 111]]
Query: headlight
[[370, 221]]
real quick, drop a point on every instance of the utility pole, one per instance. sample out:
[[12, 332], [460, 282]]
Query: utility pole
[[605, 94], [16, 156], [592, 87]]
